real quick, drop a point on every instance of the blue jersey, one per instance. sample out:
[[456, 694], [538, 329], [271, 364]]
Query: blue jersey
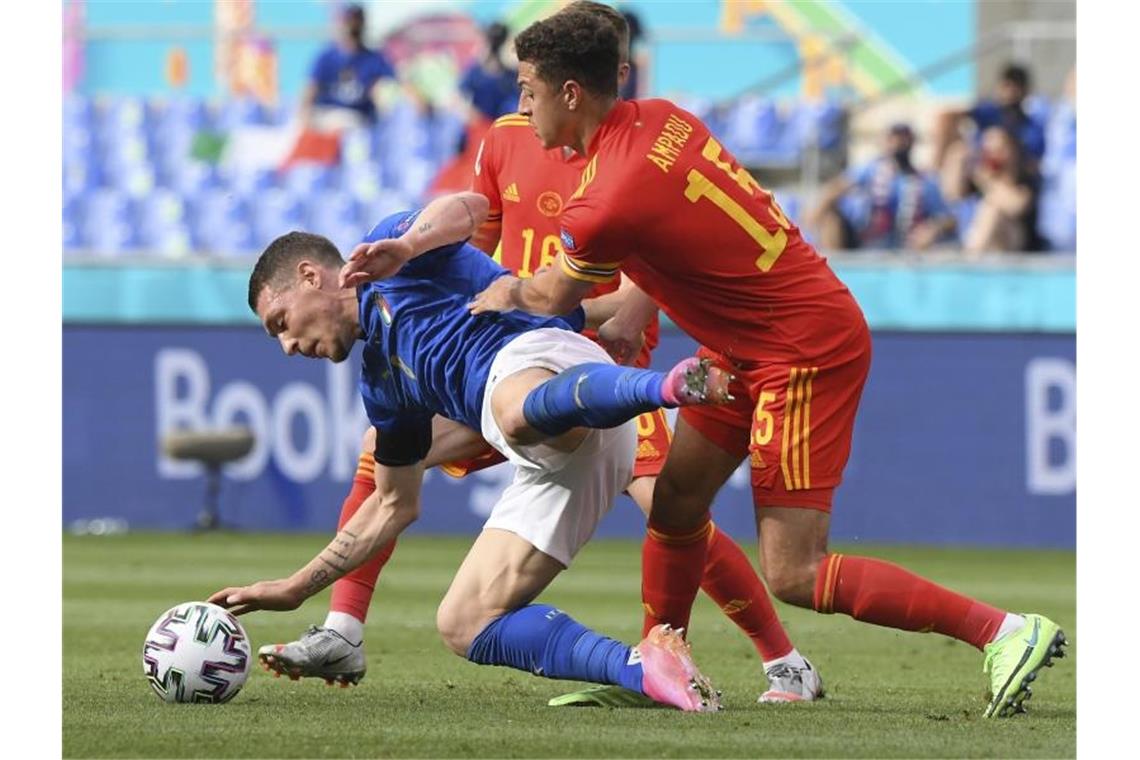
[[345, 79], [424, 353]]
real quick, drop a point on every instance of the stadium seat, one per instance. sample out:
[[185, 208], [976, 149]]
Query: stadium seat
[[108, 227], [190, 178], [220, 224], [236, 112], [332, 210], [363, 180], [307, 179], [72, 222], [248, 182], [274, 212], [356, 146]]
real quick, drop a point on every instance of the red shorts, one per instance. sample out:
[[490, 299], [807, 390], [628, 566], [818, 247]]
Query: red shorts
[[793, 422], [653, 438]]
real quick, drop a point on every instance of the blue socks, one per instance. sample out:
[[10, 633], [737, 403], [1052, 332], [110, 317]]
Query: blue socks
[[592, 395], [545, 641]]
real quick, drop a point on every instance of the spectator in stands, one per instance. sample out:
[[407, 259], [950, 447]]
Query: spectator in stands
[[638, 60], [344, 80], [955, 157], [1006, 216], [490, 83], [886, 203]]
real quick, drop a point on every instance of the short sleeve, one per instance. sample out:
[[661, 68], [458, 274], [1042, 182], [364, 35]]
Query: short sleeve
[[591, 254], [392, 226], [319, 67], [383, 67], [402, 438], [485, 180]]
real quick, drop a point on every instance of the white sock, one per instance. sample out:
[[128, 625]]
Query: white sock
[[793, 658], [346, 625], [1009, 625]]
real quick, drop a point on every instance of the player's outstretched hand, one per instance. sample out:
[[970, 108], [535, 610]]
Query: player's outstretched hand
[[265, 595], [375, 261], [497, 296], [620, 342]]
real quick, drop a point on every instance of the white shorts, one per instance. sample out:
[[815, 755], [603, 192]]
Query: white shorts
[[557, 498]]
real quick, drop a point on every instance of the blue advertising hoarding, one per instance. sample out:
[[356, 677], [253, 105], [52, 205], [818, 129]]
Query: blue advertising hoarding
[[960, 439]]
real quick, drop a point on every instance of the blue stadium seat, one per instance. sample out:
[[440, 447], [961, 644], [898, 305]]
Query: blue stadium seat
[[219, 224], [363, 180], [108, 227], [236, 112], [78, 111], [189, 178], [275, 212], [248, 182], [73, 210], [356, 146], [331, 211], [307, 179]]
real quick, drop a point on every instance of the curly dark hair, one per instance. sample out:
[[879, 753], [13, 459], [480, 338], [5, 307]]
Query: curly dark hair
[[608, 14], [572, 44], [273, 266]]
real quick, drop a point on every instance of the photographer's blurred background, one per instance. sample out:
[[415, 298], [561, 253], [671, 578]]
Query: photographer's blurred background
[[928, 148]]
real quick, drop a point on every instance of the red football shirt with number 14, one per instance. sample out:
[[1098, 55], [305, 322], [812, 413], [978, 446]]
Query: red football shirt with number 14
[[527, 187]]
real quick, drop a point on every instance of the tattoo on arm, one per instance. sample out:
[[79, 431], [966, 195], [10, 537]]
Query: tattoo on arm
[[470, 216], [424, 228], [317, 581]]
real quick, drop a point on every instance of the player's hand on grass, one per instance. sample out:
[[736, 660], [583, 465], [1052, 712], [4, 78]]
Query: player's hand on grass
[[375, 261], [497, 297], [620, 342], [280, 595]]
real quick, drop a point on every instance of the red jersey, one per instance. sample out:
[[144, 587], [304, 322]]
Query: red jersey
[[662, 200], [528, 187]]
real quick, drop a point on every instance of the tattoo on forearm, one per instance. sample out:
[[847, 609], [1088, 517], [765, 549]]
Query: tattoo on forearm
[[424, 228], [317, 581]]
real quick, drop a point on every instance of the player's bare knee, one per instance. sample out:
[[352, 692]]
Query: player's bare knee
[[791, 583], [515, 428], [454, 627]]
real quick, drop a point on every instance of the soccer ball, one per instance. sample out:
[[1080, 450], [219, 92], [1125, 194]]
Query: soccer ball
[[196, 652]]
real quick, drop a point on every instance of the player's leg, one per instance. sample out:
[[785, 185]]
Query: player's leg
[[541, 521], [729, 578], [801, 442], [599, 393], [334, 651]]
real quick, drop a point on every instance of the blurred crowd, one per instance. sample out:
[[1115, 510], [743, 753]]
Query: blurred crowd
[[1003, 179], [179, 175]]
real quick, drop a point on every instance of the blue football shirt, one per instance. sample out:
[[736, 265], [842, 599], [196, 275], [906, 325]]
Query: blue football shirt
[[424, 353], [346, 79]]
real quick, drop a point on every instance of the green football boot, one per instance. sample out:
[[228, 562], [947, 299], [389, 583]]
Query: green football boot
[[603, 696], [1013, 661]]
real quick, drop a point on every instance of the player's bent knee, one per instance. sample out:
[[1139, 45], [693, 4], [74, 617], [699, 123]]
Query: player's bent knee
[[791, 584], [454, 627], [515, 428]]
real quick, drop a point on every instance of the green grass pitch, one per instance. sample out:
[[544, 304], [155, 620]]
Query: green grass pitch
[[890, 694]]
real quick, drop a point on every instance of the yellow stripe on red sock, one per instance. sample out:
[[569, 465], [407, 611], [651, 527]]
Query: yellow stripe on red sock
[[683, 538]]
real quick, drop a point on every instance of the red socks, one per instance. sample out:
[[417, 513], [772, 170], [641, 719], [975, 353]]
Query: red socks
[[353, 593], [732, 583], [879, 592], [672, 563]]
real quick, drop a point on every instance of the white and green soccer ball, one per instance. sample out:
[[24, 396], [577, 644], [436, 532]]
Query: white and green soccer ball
[[196, 652]]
